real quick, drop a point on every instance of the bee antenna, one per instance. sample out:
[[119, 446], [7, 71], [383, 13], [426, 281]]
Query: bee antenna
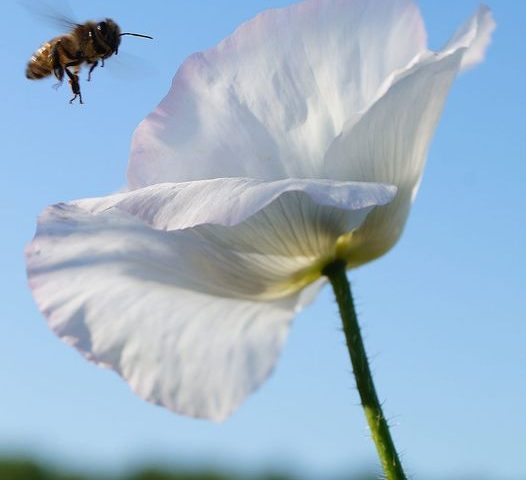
[[136, 35]]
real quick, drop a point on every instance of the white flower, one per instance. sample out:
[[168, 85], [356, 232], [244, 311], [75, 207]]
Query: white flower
[[299, 139]]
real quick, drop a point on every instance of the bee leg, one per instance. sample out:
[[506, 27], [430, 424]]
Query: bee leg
[[75, 86], [58, 69], [74, 79], [102, 63], [93, 66]]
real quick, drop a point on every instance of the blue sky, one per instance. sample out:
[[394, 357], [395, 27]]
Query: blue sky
[[442, 313]]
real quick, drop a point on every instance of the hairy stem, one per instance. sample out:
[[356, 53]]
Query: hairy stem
[[336, 272]]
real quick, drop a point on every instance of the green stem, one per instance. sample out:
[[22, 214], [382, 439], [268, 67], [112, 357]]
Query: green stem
[[336, 272]]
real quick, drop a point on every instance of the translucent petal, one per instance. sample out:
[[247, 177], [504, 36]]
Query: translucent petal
[[269, 100], [474, 36], [389, 143], [192, 318], [229, 201]]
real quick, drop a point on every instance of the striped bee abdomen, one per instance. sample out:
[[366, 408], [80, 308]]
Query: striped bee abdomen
[[40, 64]]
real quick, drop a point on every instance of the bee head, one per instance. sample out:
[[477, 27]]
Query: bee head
[[110, 32]]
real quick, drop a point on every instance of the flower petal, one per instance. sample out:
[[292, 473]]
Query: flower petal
[[389, 143], [193, 319], [474, 36], [230, 201], [269, 100]]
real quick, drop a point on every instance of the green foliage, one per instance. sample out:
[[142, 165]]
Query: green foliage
[[19, 469], [162, 475], [27, 470]]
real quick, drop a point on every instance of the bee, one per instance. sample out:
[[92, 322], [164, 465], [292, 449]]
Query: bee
[[87, 43]]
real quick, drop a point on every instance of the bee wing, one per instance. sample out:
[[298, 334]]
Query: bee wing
[[127, 66], [59, 14]]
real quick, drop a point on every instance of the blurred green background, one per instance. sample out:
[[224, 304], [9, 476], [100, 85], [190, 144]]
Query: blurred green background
[[24, 469]]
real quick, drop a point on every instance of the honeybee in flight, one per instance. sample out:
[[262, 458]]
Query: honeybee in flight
[[87, 43]]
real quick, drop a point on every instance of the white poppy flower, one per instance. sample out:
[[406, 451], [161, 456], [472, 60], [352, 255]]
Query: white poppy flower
[[298, 140]]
